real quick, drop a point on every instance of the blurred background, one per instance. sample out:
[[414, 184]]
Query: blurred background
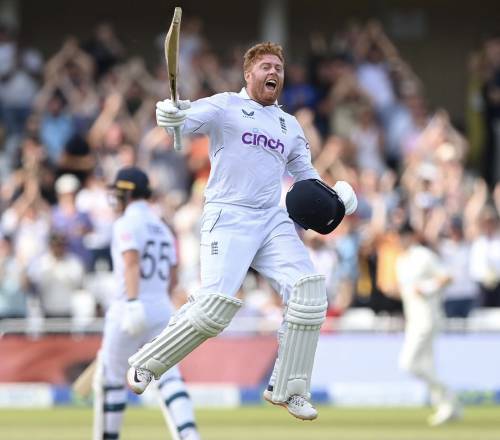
[[399, 98]]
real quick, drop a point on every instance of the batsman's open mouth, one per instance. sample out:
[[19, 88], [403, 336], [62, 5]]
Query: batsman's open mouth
[[271, 84]]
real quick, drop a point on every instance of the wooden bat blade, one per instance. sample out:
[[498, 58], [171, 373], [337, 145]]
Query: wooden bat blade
[[172, 58], [172, 51], [83, 384]]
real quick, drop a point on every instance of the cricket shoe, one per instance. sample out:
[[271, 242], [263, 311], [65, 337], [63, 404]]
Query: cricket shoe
[[297, 405], [138, 379], [445, 413]]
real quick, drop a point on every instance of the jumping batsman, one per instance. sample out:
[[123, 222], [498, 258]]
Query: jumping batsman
[[144, 261], [253, 142]]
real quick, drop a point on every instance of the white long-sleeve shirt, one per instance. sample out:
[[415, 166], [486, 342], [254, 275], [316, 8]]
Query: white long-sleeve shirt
[[485, 260], [416, 266], [251, 147], [140, 229]]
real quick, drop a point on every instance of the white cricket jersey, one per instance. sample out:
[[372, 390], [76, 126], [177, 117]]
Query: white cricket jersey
[[251, 147], [413, 267], [140, 229]]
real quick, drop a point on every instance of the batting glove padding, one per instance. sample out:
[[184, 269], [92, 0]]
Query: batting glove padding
[[170, 116], [347, 195], [134, 318]]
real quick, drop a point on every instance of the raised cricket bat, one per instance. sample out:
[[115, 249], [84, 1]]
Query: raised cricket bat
[[172, 57], [82, 386]]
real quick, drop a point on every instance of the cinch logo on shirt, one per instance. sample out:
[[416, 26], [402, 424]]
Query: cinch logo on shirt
[[261, 139]]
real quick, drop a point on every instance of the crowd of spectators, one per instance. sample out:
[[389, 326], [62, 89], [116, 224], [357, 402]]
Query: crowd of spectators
[[69, 122]]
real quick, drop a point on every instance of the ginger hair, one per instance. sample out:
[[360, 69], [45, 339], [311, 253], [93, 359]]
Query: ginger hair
[[256, 52]]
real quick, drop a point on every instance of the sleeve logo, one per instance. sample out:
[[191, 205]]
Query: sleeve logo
[[282, 124]]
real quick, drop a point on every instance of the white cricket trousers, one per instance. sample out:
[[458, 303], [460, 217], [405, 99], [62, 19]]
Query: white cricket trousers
[[118, 346], [417, 358], [234, 238]]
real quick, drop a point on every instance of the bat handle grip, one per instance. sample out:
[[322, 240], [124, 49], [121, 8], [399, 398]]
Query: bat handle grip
[[177, 139]]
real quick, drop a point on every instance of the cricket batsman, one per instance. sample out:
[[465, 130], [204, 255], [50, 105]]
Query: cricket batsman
[[144, 264], [253, 142]]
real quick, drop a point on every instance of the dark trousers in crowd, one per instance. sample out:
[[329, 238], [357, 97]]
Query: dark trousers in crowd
[[490, 297], [459, 308]]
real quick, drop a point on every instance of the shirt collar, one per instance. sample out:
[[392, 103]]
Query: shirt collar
[[244, 95], [136, 205]]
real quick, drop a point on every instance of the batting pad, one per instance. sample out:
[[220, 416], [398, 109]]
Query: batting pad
[[199, 320], [305, 313]]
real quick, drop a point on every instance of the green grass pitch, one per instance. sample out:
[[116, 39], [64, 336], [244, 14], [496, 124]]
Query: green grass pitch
[[258, 423]]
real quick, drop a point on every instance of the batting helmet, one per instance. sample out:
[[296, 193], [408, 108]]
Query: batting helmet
[[134, 181], [314, 205]]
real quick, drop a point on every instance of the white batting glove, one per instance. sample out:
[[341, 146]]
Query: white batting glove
[[134, 318], [347, 195], [170, 116]]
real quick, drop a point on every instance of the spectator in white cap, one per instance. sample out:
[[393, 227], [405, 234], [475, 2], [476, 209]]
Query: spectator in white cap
[[67, 184], [68, 221]]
